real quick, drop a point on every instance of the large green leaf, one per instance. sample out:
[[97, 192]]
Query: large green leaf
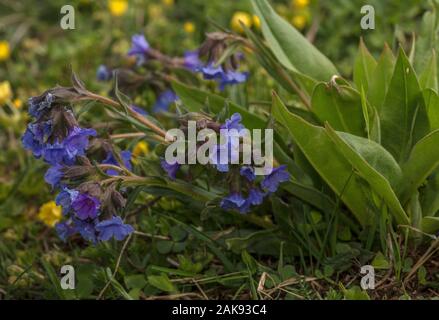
[[403, 116], [321, 152], [290, 47], [375, 165], [381, 78], [423, 160], [428, 78], [364, 66], [340, 105]]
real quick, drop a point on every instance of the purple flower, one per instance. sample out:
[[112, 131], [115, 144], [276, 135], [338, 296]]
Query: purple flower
[[164, 100], [170, 168], [64, 230], [113, 227], [54, 175], [65, 199], [211, 72], [248, 172], [110, 159], [232, 77], [87, 229], [255, 197], [233, 123], [39, 104], [55, 154], [103, 73], [233, 201], [139, 47], [35, 136], [192, 61], [77, 141], [86, 206], [271, 182]]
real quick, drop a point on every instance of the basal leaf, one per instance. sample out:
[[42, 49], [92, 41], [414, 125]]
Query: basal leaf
[[423, 160], [403, 116], [321, 152], [364, 66]]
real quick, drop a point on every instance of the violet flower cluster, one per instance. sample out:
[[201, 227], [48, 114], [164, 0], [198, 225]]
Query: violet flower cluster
[[247, 189], [56, 137]]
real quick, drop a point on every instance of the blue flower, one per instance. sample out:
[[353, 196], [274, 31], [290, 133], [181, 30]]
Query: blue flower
[[65, 199], [233, 123], [139, 47], [103, 73], [192, 61], [64, 230], [77, 141], [211, 72], [55, 154], [233, 201], [110, 159], [233, 77], [164, 100], [113, 227], [39, 104], [87, 229], [248, 172], [86, 206], [54, 175], [170, 168], [271, 182], [35, 136], [255, 197]]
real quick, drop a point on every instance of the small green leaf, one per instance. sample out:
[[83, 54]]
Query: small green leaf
[[162, 282]]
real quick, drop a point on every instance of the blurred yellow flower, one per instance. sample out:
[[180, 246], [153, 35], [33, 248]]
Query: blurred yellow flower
[[141, 149], [238, 17], [50, 213], [18, 103], [5, 92], [5, 51], [189, 27], [300, 3], [299, 21], [256, 22], [118, 7], [155, 11], [168, 3]]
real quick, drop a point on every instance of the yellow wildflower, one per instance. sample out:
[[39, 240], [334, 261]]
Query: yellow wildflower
[[168, 3], [5, 92], [300, 3], [238, 18], [189, 27], [117, 7], [141, 149], [18, 103], [50, 213], [256, 22], [299, 21], [5, 50]]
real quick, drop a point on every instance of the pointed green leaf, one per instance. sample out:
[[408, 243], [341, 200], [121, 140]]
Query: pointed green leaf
[[428, 78], [375, 165], [290, 47], [430, 225], [320, 151], [365, 64], [431, 99], [380, 78], [423, 160], [403, 116]]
